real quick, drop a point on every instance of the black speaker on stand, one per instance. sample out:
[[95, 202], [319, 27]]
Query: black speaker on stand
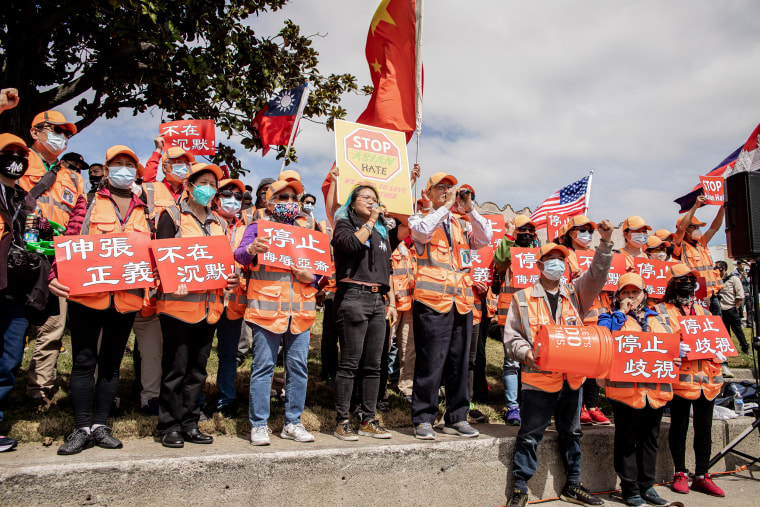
[[742, 198]]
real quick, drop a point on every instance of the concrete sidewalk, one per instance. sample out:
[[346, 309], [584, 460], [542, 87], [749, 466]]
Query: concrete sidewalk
[[400, 471]]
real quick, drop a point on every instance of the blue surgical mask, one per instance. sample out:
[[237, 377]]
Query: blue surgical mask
[[554, 269], [55, 143], [202, 194], [639, 238], [122, 176], [308, 207], [584, 238], [179, 171], [229, 205]]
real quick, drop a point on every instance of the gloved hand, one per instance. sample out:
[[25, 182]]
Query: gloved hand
[[683, 349], [43, 226], [720, 358]]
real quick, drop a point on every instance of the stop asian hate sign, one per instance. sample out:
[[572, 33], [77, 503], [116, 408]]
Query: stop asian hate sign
[[713, 188]]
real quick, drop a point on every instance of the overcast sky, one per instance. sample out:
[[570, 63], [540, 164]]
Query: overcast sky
[[522, 98]]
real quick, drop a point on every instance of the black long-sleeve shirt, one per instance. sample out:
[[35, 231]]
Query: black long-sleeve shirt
[[360, 261]]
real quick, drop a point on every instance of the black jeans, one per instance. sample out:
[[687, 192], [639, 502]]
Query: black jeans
[[329, 346], [590, 393], [636, 433], [86, 324], [477, 384], [679, 425], [442, 343], [186, 348], [733, 322], [361, 328]]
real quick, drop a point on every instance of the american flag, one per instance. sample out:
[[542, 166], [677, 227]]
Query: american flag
[[569, 201]]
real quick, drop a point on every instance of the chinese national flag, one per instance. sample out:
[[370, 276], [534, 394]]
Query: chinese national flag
[[390, 54]]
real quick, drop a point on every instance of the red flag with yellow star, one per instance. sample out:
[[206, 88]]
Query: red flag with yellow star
[[390, 54]]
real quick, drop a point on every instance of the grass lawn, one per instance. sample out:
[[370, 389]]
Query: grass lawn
[[26, 422]]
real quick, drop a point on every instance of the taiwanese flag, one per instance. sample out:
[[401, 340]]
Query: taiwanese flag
[[280, 116], [744, 158]]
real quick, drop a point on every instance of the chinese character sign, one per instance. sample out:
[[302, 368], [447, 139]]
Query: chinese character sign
[[296, 246], [644, 357], [202, 263], [706, 335], [524, 267], [553, 224], [713, 188], [653, 272], [195, 136], [617, 268], [481, 260], [104, 262]]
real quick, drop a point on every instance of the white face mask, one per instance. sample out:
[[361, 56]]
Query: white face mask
[[308, 207], [660, 256], [122, 176], [55, 143], [179, 171], [583, 238], [639, 238], [229, 205], [554, 269]]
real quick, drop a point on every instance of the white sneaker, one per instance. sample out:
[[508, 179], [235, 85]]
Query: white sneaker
[[260, 435], [725, 372], [296, 432]]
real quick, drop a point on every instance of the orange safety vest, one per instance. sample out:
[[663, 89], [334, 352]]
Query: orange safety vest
[[506, 292], [534, 312], [403, 265], [694, 377], [195, 306], [477, 308], [158, 198], [103, 218], [276, 297], [491, 302], [332, 285], [698, 257], [441, 270], [636, 394], [235, 300], [601, 304], [58, 201]]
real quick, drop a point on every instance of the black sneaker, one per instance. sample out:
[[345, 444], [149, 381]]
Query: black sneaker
[[476, 415], [579, 495], [652, 498], [151, 408], [103, 438], [7, 443], [76, 443], [519, 498]]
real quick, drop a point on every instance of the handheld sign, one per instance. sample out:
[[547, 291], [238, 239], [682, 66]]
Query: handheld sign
[[713, 188], [202, 263], [617, 268], [644, 357], [104, 262], [524, 268], [296, 246], [376, 157], [706, 335], [481, 260], [195, 136], [553, 223], [652, 271], [700, 294]]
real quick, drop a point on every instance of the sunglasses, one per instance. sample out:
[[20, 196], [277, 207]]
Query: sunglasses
[[531, 230], [286, 197], [583, 228], [56, 129], [230, 193]]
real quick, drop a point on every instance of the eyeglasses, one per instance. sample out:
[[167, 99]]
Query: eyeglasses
[[525, 228], [583, 228], [367, 198], [56, 129], [442, 187], [230, 193], [286, 197]]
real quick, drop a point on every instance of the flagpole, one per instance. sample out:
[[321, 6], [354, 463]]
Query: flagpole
[[301, 106], [588, 191], [419, 7]]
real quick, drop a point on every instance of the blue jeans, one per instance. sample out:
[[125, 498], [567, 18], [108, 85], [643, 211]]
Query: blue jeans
[[510, 373], [264, 347], [13, 326], [227, 339], [536, 412]]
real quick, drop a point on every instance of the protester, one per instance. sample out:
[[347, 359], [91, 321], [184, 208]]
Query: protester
[[17, 267], [731, 302], [443, 302], [228, 203], [545, 393], [61, 197], [308, 202], [699, 382], [326, 299], [363, 270], [638, 407], [74, 162], [636, 232], [743, 269], [108, 314], [95, 174], [281, 309], [188, 319], [657, 248], [404, 266]]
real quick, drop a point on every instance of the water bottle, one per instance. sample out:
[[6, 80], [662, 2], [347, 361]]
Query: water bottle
[[31, 234], [738, 404]]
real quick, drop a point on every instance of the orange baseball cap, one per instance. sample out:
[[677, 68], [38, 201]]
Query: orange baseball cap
[[679, 270], [523, 220], [439, 177], [576, 221], [654, 242], [54, 118], [663, 234], [630, 279], [290, 175], [635, 223], [232, 181], [176, 152], [694, 221], [197, 168], [11, 140], [281, 184], [550, 247], [120, 149]]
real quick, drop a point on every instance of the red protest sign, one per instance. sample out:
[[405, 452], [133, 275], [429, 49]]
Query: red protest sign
[[202, 263], [700, 294], [524, 268], [196, 136], [653, 272], [296, 246], [617, 268], [706, 335], [104, 262], [713, 188], [553, 224], [644, 357], [481, 260]]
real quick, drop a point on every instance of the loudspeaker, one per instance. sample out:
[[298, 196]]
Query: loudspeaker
[[742, 198]]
